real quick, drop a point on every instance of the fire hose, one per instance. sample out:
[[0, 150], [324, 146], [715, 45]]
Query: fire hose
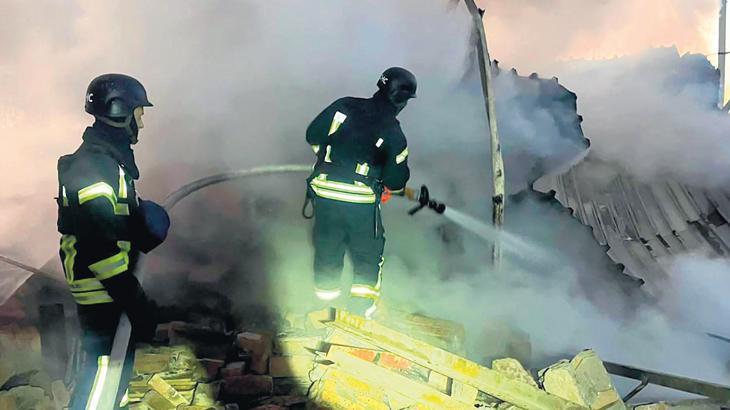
[[110, 385]]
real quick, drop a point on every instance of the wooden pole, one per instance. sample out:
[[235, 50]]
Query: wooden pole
[[485, 71], [721, 52]]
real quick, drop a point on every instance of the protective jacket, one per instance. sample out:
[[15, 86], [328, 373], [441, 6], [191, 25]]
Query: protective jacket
[[103, 226], [360, 149]]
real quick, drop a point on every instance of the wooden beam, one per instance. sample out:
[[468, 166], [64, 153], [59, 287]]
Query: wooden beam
[[458, 368], [485, 71], [384, 379]]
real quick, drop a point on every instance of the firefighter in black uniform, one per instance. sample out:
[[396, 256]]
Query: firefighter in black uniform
[[104, 226], [361, 151]]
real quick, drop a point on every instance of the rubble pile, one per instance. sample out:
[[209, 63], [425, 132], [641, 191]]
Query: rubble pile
[[366, 365], [24, 383], [202, 366]]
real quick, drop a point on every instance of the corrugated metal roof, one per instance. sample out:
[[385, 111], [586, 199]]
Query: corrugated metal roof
[[642, 222]]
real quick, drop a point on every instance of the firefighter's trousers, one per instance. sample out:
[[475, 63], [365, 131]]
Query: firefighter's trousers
[[355, 228], [98, 328]]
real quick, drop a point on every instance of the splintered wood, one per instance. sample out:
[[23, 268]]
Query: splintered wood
[[369, 365]]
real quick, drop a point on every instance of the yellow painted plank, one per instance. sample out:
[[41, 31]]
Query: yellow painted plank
[[419, 394], [448, 364]]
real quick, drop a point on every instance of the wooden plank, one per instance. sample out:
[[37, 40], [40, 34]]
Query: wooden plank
[[450, 365], [374, 375], [485, 71]]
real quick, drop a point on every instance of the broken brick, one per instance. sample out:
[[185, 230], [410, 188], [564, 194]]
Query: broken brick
[[259, 346], [212, 367], [233, 369], [166, 391]]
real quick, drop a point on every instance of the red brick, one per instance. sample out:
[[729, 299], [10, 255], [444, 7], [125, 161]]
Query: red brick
[[212, 367], [233, 369], [259, 346]]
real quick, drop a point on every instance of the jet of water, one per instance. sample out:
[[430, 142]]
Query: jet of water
[[514, 244]]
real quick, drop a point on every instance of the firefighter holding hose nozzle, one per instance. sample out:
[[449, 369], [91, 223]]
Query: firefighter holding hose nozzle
[[361, 152], [104, 227]]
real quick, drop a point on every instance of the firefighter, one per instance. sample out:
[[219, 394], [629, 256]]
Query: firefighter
[[104, 227], [361, 151]]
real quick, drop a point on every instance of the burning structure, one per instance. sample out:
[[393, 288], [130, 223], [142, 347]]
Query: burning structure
[[242, 347]]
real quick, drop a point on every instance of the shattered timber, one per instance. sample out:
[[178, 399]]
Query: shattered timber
[[332, 359]]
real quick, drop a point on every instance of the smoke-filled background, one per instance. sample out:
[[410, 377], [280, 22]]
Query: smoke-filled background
[[236, 83]]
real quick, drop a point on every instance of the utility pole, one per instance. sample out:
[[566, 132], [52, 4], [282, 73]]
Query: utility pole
[[485, 70], [721, 53]]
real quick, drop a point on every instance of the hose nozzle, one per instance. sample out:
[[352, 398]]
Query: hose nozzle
[[424, 200]]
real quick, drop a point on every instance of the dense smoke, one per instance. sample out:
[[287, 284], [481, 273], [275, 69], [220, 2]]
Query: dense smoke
[[533, 35], [653, 115], [235, 85]]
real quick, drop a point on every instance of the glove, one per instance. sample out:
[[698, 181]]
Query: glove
[[385, 197], [153, 225]]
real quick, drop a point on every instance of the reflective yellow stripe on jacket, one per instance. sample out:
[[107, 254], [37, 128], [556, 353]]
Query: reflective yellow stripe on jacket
[[103, 190], [341, 191], [113, 265], [89, 292]]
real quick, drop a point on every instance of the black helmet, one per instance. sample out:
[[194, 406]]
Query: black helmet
[[398, 84], [115, 96]]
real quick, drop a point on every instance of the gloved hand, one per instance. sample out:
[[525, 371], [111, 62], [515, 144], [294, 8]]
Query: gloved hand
[[385, 197], [153, 225]]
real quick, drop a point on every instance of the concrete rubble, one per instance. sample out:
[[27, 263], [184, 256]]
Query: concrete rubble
[[331, 359]]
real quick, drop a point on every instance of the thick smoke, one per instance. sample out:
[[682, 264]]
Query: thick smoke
[[235, 85], [533, 35], [654, 115]]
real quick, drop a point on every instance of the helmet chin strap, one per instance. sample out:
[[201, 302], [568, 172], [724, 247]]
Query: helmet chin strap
[[126, 124]]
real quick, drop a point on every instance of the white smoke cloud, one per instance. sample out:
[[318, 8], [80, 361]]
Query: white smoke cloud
[[653, 114], [235, 85], [533, 35]]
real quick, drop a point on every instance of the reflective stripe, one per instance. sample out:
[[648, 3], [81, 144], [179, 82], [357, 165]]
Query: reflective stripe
[[340, 191], [93, 298], [63, 193], [370, 311], [96, 389], [327, 295], [122, 184], [379, 283], [364, 291], [327, 154], [68, 243], [125, 399], [344, 197], [362, 169], [402, 156], [336, 122], [321, 181], [315, 148], [379, 143], [113, 265], [124, 245], [121, 209], [85, 285], [99, 190]]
